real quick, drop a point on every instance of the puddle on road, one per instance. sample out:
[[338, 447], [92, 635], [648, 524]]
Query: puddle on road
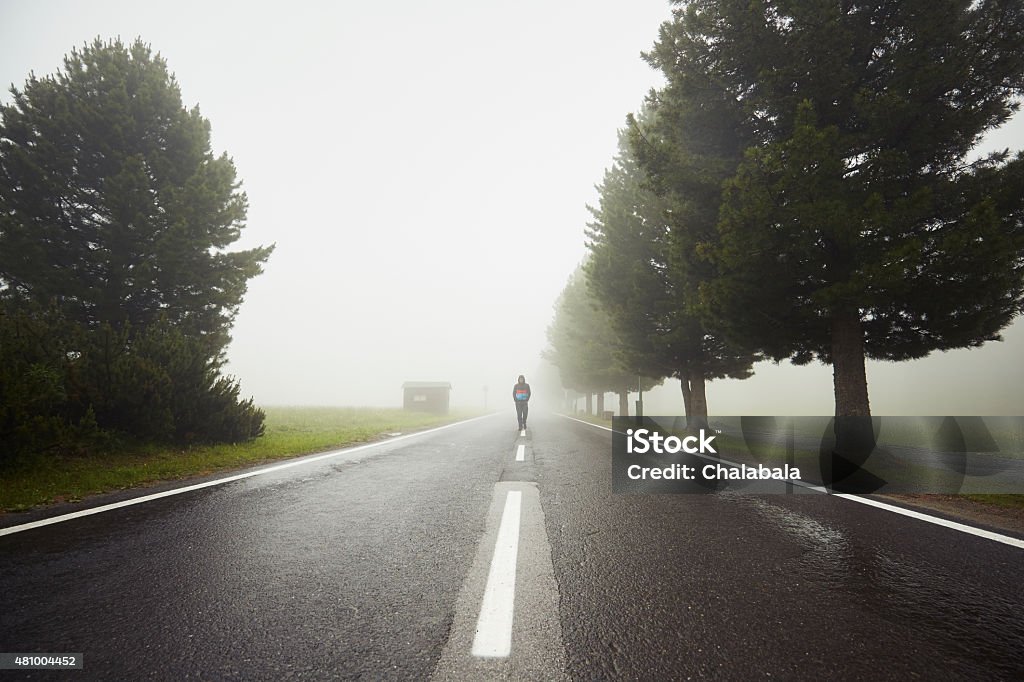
[[982, 630]]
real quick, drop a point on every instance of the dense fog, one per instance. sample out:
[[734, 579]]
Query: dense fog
[[424, 171]]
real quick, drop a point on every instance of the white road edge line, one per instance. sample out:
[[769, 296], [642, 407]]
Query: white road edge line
[[521, 453], [963, 528], [596, 426], [237, 477], [494, 625]]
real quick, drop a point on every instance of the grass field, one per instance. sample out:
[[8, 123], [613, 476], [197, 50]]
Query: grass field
[[290, 431], [1015, 502]]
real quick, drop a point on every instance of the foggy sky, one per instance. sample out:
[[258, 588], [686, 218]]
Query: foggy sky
[[424, 170]]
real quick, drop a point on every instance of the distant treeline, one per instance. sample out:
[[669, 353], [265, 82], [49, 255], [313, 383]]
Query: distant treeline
[[117, 291]]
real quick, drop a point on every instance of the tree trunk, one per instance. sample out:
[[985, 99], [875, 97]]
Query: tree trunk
[[600, 403], [684, 383], [697, 418], [624, 403], [590, 403], [855, 438], [848, 375]]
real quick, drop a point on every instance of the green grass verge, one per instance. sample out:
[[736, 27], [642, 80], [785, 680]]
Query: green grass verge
[[1001, 501], [290, 431]]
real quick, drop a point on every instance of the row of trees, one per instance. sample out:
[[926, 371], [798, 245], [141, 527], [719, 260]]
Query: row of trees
[[803, 188], [117, 288], [588, 351]]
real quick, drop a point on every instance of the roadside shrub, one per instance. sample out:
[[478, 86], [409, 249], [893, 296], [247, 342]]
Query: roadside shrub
[[68, 389]]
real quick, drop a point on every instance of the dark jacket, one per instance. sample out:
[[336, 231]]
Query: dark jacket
[[521, 392]]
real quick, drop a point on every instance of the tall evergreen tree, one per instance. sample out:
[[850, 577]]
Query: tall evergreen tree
[[645, 269], [112, 204], [116, 221], [858, 225]]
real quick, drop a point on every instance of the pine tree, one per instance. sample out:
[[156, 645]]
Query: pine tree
[[857, 225], [116, 221], [645, 268], [112, 204]]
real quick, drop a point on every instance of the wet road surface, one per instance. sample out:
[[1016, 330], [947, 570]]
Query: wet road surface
[[374, 565]]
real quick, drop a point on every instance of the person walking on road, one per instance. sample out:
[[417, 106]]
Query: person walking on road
[[521, 397]]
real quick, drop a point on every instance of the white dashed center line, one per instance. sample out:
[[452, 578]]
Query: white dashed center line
[[494, 625]]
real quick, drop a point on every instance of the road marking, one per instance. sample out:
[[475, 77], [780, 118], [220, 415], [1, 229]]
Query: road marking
[[522, 433], [521, 453], [597, 426], [961, 527], [537, 649], [237, 477], [494, 625]]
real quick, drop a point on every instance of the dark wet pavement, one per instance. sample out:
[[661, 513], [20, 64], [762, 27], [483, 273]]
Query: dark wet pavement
[[350, 569]]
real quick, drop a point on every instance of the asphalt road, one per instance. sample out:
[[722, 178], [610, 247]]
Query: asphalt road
[[375, 564]]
